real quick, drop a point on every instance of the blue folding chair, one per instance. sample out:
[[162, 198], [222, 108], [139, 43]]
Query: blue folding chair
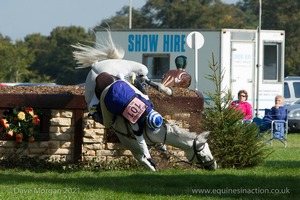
[[278, 130]]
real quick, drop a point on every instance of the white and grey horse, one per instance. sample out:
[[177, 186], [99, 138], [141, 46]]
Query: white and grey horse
[[108, 59]]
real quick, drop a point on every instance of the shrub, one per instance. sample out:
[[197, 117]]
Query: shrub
[[234, 144]]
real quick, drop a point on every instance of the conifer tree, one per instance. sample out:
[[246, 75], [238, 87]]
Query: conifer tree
[[234, 144]]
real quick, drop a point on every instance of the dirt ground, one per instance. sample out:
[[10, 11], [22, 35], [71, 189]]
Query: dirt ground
[[79, 90]]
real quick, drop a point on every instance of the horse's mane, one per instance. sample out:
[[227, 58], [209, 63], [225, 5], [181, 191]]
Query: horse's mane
[[87, 55]]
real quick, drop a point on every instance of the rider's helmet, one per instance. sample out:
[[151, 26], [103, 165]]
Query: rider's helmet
[[154, 120]]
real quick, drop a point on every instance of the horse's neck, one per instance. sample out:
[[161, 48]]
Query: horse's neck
[[176, 136]]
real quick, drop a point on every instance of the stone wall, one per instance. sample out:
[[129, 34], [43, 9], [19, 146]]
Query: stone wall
[[59, 147], [73, 136]]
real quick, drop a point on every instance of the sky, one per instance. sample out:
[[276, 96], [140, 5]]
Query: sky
[[18, 18]]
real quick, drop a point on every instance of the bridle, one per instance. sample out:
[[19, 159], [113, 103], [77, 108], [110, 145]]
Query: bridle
[[206, 164]]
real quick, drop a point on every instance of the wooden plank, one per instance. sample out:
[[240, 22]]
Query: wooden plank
[[78, 135]]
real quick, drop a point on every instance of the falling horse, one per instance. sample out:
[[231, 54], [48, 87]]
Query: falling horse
[[109, 59]]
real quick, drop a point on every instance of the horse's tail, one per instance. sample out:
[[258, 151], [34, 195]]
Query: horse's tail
[[87, 55]]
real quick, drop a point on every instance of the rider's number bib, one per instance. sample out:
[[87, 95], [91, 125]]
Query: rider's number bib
[[134, 110]]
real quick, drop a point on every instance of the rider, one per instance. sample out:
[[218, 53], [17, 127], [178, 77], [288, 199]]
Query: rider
[[122, 99]]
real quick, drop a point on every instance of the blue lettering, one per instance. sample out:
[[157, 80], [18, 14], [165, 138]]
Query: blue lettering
[[174, 43], [166, 43], [182, 43], [137, 43], [145, 43], [171, 43], [130, 43], [142, 43], [153, 40]]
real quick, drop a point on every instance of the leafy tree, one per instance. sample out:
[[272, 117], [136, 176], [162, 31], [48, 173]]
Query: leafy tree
[[15, 60], [280, 15], [285, 15], [234, 144], [54, 59], [181, 14]]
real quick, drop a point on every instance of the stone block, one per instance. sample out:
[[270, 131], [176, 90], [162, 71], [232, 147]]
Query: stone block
[[91, 133], [99, 126], [126, 153], [94, 158], [92, 140], [50, 144], [90, 153], [106, 152], [66, 129], [66, 113], [92, 146], [61, 121], [112, 146], [60, 151], [60, 136], [66, 144]]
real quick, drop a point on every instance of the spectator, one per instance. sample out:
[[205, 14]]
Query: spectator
[[242, 105], [277, 112]]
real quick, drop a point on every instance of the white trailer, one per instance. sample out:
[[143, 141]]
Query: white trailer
[[251, 60]]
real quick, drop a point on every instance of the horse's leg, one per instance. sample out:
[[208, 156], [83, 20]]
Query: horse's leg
[[133, 146]]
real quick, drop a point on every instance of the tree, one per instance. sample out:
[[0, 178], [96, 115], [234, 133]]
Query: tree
[[182, 14], [54, 56], [15, 60], [280, 15], [234, 144]]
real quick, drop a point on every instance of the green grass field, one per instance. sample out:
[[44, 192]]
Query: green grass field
[[278, 177]]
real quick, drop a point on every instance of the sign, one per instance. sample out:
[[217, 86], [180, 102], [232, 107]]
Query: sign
[[195, 40]]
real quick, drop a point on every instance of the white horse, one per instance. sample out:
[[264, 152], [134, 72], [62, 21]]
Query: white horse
[[108, 59]]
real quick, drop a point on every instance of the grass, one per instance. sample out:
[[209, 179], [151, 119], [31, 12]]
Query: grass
[[278, 177]]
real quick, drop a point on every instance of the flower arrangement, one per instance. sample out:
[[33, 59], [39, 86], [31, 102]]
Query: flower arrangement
[[21, 123]]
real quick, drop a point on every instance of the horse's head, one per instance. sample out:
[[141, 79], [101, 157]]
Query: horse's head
[[202, 153]]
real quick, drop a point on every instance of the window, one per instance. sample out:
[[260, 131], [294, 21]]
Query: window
[[272, 61], [296, 89], [158, 65], [287, 93]]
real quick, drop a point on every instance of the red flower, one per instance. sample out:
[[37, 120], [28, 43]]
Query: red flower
[[21, 123], [29, 110], [19, 138], [10, 133], [4, 123], [35, 120]]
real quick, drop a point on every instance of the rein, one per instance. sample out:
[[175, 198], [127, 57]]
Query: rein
[[207, 163]]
